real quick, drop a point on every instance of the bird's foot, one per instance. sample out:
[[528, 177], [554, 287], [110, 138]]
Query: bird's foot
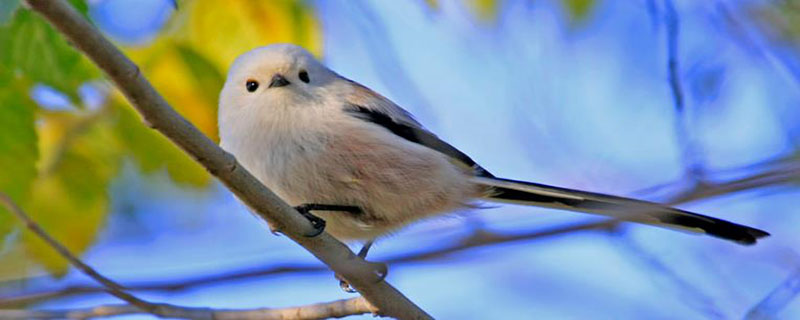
[[317, 222]]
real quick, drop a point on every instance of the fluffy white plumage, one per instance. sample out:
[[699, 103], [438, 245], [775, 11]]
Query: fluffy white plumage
[[313, 136], [299, 141]]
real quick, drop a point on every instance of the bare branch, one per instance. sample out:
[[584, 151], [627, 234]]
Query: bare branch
[[334, 309], [777, 299], [691, 295], [477, 239], [692, 166], [157, 113], [111, 286], [779, 172], [337, 309], [780, 175]]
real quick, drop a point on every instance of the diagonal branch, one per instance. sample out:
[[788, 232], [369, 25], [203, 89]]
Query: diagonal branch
[[475, 240], [136, 305], [158, 114], [771, 305], [778, 174], [112, 287]]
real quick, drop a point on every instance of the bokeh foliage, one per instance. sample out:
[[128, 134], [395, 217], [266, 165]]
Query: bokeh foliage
[[59, 164]]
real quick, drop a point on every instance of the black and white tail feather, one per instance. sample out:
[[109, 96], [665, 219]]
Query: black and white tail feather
[[400, 122], [528, 193]]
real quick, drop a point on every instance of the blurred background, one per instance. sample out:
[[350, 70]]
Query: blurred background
[[693, 103]]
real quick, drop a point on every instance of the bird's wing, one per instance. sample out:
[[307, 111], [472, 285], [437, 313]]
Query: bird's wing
[[372, 107]]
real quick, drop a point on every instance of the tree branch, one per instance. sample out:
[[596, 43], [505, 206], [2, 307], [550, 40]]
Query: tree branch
[[692, 166], [110, 286], [779, 172], [783, 174], [157, 113], [477, 239], [776, 300], [334, 309]]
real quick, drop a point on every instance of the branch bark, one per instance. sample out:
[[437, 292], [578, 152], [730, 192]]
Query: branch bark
[[110, 286], [334, 309], [778, 173], [477, 239], [158, 114]]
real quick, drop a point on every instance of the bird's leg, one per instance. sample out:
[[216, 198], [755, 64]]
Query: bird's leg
[[363, 252], [381, 270], [317, 222]]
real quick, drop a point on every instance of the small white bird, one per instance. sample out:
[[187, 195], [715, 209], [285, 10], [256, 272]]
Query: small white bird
[[327, 144]]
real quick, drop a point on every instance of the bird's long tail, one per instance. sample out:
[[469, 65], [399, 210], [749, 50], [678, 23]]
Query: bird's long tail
[[527, 193]]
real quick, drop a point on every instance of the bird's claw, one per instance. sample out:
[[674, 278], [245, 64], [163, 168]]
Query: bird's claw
[[316, 222]]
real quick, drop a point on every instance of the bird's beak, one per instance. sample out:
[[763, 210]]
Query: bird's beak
[[278, 81]]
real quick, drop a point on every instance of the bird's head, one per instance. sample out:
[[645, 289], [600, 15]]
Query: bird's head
[[273, 76]]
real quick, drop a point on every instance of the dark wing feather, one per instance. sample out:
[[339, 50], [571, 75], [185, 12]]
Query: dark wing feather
[[414, 134]]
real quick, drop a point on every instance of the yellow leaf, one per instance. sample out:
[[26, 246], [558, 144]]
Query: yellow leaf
[[485, 10], [187, 62], [224, 30], [579, 10], [70, 197]]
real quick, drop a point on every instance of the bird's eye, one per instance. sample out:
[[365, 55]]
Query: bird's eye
[[303, 75], [251, 85]]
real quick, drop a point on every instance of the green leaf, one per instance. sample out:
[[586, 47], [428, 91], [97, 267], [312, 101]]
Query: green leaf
[[151, 151], [18, 148], [32, 49], [71, 201], [206, 77], [7, 10]]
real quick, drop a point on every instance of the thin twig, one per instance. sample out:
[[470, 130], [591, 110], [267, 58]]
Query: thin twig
[[691, 294], [776, 300], [158, 114], [475, 240], [112, 287], [788, 173], [337, 309], [334, 309], [692, 166], [785, 172]]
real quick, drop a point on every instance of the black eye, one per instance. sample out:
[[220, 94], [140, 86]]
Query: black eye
[[303, 76], [251, 85]]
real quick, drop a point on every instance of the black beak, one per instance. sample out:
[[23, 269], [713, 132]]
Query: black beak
[[278, 81]]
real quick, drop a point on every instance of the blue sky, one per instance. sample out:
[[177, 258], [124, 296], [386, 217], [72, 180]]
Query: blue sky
[[530, 97]]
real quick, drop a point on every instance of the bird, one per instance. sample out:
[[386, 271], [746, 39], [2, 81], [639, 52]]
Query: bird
[[361, 167]]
